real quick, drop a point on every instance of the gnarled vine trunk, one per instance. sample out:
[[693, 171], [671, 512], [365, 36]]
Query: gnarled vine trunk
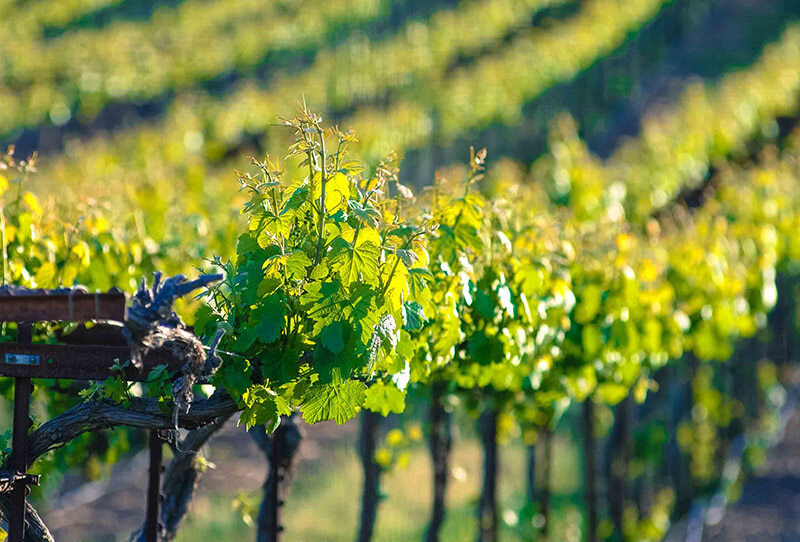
[[487, 507], [546, 442], [617, 466], [371, 495], [680, 462], [589, 453], [35, 529], [530, 472], [441, 444], [281, 450], [181, 478]]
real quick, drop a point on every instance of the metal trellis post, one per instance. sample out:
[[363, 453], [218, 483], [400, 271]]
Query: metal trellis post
[[23, 361]]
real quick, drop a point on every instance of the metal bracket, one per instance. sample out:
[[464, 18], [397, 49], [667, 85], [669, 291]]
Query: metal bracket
[[10, 480], [22, 359]]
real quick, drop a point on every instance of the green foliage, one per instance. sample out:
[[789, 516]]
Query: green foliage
[[43, 248], [385, 398], [338, 401], [137, 60], [321, 285]]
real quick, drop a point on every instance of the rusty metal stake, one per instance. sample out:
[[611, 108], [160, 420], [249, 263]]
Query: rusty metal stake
[[152, 526], [19, 443]]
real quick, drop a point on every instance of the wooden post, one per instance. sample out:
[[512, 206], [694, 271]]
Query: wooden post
[[546, 439], [19, 442], [281, 451], [371, 495], [272, 491], [487, 507], [617, 467], [441, 444], [590, 474]]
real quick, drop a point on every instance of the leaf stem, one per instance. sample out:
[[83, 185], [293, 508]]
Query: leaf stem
[[396, 263], [4, 249], [367, 196], [322, 210]]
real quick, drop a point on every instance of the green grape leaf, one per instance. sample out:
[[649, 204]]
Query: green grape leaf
[[591, 341], [480, 348], [326, 364], [280, 366], [484, 305], [448, 336], [582, 384], [282, 405], [384, 399], [269, 318], [354, 167], [268, 285], [296, 200], [419, 279], [405, 346], [249, 279], [367, 214], [258, 413], [335, 401], [355, 263], [409, 257], [271, 225], [337, 192], [588, 304], [332, 337], [263, 406], [610, 393], [466, 236], [319, 272], [296, 264], [45, 275], [245, 339], [203, 317], [385, 330], [246, 244], [413, 316], [234, 376]]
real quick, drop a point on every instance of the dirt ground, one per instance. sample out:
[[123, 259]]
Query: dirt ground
[[769, 508], [104, 511]]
